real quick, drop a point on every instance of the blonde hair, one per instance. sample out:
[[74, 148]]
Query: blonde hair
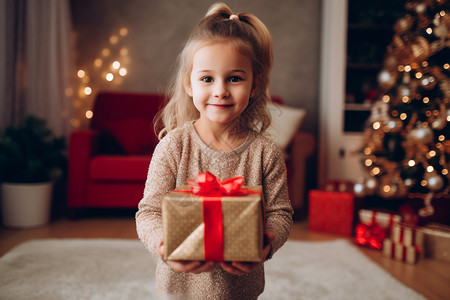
[[252, 39]]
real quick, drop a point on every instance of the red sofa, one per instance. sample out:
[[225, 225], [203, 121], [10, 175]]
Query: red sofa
[[108, 163]]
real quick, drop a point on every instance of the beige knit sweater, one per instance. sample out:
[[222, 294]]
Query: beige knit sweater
[[181, 155]]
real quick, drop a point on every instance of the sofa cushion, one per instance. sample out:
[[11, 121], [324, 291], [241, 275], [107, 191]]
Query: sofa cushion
[[120, 168], [286, 121], [135, 136]]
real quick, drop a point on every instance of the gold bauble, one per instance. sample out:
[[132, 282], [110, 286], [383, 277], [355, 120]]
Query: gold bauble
[[422, 134], [397, 41], [403, 24], [428, 82], [435, 182], [420, 49], [388, 190], [371, 185], [387, 79]]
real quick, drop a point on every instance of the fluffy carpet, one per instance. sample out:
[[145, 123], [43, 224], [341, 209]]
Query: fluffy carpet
[[122, 269]]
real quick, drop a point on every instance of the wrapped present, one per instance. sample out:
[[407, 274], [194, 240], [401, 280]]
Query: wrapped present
[[331, 212], [407, 235], [370, 235], [381, 219], [437, 241], [213, 221], [401, 252], [374, 227]]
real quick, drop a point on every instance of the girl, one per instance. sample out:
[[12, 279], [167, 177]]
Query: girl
[[213, 122]]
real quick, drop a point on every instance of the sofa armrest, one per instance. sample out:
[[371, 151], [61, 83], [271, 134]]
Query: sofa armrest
[[302, 147], [83, 146]]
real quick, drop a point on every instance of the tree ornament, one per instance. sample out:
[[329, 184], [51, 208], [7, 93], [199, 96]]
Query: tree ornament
[[387, 79], [422, 134], [420, 50], [440, 122], [388, 190], [435, 182], [428, 209], [371, 185], [420, 8], [409, 182], [359, 188], [403, 24], [428, 82]]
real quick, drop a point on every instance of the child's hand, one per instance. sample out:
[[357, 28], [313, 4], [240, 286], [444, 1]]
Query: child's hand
[[184, 266], [242, 268]]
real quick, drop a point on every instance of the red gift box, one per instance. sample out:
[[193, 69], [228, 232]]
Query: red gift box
[[374, 227], [331, 212]]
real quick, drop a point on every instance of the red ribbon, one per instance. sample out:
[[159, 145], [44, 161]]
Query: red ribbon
[[206, 184], [211, 189], [370, 235]]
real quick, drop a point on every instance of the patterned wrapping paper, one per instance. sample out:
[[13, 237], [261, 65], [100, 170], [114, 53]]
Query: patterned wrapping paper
[[408, 235], [437, 241], [183, 226], [401, 252]]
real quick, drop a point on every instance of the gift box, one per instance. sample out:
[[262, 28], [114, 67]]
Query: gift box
[[374, 227], [407, 235], [331, 212], [437, 241], [401, 252], [213, 221], [383, 220]]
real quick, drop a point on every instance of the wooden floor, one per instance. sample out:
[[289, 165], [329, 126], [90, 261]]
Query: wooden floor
[[430, 278]]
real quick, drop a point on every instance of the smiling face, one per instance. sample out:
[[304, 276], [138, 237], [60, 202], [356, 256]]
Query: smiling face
[[221, 83]]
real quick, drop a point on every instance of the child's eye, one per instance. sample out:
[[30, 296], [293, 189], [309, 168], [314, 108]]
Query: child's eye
[[235, 79], [207, 79]]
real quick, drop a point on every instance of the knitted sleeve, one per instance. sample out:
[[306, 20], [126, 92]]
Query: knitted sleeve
[[278, 207], [161, 179]]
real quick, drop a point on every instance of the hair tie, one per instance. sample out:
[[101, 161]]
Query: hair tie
[[234, 17]]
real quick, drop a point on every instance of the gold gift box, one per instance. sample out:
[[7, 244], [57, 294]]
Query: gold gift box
[[183, 226], [437, 241]]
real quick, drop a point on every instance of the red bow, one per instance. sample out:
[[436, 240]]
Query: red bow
[[370, 235], [207, 184]]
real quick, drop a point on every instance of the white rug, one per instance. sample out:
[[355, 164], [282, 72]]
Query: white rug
[[68, 269]]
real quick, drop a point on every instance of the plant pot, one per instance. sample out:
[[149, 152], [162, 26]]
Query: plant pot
[[26, 205]]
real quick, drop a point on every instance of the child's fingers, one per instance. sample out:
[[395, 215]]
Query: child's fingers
[[228, 267], [183, 266], [269, 236], [204, 267], [161, 249], [245, 267], [239, 268]]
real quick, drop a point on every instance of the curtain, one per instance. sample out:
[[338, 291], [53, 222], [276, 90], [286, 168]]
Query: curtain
[[36, 62]]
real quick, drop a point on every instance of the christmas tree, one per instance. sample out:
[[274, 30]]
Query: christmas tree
[[407, 137]]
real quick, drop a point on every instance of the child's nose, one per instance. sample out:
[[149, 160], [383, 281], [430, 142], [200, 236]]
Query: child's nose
[[221, 90]]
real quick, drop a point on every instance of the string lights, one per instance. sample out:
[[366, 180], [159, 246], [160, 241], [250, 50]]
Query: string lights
[[407, 147], [106, 71]]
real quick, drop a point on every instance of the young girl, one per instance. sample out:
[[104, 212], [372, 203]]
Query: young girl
[[213, 122]]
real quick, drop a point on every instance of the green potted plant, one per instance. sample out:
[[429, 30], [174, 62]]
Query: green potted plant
[[31, 159]]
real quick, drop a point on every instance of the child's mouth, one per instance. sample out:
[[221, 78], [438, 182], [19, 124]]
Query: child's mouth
[[221, 105]]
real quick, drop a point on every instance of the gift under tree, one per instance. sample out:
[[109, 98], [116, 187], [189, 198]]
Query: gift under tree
[[407, 148]]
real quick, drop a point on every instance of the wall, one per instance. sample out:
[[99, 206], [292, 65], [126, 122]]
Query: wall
[[158, 29]]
